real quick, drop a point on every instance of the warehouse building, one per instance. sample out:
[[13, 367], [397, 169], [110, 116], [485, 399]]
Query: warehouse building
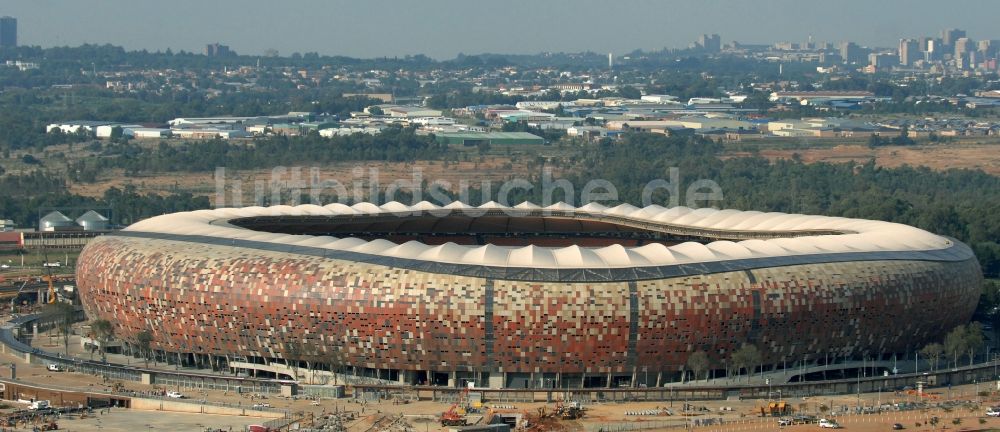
[[491, 138]]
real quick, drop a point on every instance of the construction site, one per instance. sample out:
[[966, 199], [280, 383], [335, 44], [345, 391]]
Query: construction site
[[85, 401], [45, 389]]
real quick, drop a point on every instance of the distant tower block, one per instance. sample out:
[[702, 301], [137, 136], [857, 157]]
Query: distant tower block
[[611, 60]]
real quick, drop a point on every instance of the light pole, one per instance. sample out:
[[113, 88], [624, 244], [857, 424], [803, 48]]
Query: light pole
[[995, 365], [859, 389], [768, 381]]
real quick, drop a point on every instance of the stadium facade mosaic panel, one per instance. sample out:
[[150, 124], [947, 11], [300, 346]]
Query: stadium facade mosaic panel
[[409, 298]]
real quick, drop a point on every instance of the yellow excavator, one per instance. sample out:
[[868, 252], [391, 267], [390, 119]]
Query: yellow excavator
[[52, 289]]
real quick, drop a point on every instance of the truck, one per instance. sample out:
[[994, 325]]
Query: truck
[[39, 405]]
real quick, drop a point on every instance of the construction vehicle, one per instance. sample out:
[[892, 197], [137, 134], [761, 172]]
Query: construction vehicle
[[48, 274], [52, 289], [776, 409], [570, 411], [39, 405], [455, 416]]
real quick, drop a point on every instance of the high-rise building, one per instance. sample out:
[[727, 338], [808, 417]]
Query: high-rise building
[[851, 52], [925, 42], [908, 51], [8, 31], [949, 36], [217, 50], [987, 47], [963, 46], [933, 51], [882, 60], [710, 43]]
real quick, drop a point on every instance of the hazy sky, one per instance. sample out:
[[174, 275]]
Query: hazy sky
[[444, 28]]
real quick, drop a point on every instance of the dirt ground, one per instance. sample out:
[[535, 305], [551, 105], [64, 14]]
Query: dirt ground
[[985, 157], [492, 169], [738, 415]]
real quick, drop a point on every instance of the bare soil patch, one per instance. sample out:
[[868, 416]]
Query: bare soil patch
[[985, 157]]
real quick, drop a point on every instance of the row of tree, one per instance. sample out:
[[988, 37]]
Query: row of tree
[[392, 145], [24, 195], [965, 340]]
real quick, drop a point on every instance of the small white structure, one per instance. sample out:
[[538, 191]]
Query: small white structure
[[659, 99], [92, 221], [209, 120], [257, 129], [332, 132], [209, 133], [148, 133], [703, 100], [410, 111], [433, 121], [543, 105], [55, 221], [104, 131], [75, 126]]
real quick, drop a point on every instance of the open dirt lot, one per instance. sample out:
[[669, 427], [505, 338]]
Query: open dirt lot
[[985, 157], [492, 169], [116, 420]]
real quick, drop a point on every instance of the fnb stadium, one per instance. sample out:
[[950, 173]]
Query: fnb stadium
[[592, 296]]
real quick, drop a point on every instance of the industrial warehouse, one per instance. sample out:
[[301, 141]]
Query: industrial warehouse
[[524, 296]]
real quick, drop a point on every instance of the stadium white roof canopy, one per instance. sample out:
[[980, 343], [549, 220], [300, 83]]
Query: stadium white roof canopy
[[858, 235]]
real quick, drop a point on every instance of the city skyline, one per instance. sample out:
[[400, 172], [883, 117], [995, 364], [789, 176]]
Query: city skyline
[[444, 28]]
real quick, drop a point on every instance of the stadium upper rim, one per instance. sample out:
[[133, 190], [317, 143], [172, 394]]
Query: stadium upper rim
[[767, 238]]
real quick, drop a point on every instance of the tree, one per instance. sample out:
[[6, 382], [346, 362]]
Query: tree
[[698, 363], [875, 141], [334, 358], [933, 352], [63, 315], [375, 110], [293, 356], [103, 332], [955, 343], [145, 340], [746, 357], [312, 355], [629, 92], [903, 138], [973, 339], [483, 147]]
